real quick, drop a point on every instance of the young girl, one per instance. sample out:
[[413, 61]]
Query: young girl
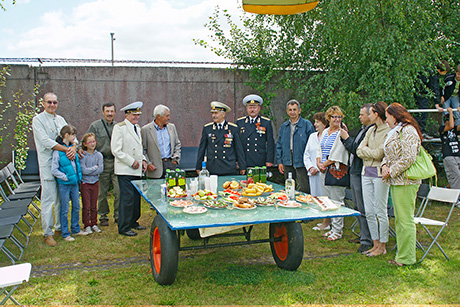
[[91, 167], [68, 176]]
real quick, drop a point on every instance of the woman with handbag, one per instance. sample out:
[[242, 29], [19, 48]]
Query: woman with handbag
[[375, 191], [332, 161], [401, 148]]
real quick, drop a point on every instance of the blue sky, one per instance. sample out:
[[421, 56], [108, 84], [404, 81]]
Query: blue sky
[[157, 30]]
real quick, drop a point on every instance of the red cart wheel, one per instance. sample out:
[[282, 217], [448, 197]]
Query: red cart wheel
[[164, 252], [286, 244]]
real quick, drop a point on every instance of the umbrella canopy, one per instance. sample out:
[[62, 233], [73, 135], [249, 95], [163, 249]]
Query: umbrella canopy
[[279, 7]]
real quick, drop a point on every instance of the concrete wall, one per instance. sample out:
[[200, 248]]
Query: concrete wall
[[186, 91]]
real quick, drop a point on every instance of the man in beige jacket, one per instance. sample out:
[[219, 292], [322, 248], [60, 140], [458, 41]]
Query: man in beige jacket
[[162, 147]]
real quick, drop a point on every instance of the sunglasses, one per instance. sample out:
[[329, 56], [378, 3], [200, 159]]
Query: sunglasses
[[337, 116], [52, 102]]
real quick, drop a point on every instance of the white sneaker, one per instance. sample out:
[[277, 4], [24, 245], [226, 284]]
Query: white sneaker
[[88, 230], [96, 229], [81, 233], [69, 239]]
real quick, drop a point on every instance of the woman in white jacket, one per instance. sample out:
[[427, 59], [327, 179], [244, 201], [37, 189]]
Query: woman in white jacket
[[309, 159]]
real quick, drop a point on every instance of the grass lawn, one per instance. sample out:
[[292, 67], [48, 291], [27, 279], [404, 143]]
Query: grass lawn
[[109, 269]]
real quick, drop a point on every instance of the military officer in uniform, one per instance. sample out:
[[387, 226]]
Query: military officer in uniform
[[129, 163], [256, 134], [220, 142]]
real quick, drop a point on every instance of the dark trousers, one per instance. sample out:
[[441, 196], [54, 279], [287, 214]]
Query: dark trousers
[[421, 118], [358, 204], [129, 210], [299, 174], [89, 193], [168, 165]]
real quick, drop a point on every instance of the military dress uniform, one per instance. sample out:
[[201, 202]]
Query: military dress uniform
[[257, 140], [127, 147], [222, 148]]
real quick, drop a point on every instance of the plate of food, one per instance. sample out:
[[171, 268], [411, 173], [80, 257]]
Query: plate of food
[[195, 210], [232, 185], [176, 192], [289, 204], [229, 192], [180, 203], [216, 204], [279, 196], [202, 195], [305, 198], [244, 203], [265, 201]]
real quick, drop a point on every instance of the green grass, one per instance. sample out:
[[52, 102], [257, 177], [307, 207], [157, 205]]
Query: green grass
[[107, 268]]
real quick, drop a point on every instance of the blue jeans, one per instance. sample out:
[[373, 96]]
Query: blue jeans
[[453, 102], [66, 192]]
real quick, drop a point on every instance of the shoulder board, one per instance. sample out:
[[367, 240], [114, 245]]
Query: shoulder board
[[208, 124], [121, 124], [241, 118], [266, 118], [232, 124]]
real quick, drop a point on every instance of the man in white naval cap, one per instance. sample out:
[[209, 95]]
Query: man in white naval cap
[[129, 163], [220, 142], [256, 134]]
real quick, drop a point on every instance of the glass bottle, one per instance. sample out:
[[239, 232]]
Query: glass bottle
[[290, 186], [204, 173]]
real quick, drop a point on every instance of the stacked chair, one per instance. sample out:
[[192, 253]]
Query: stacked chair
[[19, 211]]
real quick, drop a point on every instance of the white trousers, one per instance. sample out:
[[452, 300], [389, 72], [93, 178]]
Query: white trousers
[[375, 196], [50, 197]]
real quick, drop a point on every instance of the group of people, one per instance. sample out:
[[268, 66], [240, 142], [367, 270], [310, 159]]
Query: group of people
[[116, 153]]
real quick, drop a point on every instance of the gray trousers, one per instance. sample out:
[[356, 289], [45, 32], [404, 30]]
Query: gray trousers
[[358, 204], [452, 168], [105, 179]]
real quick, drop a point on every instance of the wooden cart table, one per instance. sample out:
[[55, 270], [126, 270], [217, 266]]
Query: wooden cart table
[[285, 234]]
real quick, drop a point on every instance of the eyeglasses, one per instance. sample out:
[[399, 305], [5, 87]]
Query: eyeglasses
[[336, 116], [52, 102]]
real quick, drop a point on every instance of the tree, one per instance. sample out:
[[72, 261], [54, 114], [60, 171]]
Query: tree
[[342, 53]]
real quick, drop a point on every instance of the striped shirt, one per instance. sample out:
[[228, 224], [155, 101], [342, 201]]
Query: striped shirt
[[326, 145]]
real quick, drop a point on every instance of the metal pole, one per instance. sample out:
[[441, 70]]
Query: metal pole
[[111, 41]]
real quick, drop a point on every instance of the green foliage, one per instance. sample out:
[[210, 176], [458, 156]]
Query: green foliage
[[25, 110], [342, 53], [1, 4]]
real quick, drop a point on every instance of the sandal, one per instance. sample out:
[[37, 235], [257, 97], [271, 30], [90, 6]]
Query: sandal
[[327, 234], [394, 262], [328, 227], [334, 236]]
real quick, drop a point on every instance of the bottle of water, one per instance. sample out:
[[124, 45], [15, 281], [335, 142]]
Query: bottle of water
[[290, 186], [204, 173]]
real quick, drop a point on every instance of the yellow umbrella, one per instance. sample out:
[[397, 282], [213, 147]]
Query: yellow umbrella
[[279, 7]]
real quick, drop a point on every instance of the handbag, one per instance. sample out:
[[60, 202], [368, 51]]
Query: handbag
[[337, 176], [422, 168]]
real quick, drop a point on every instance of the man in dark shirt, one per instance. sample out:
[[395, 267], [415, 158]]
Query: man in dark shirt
[[450, 149], [351, 144]]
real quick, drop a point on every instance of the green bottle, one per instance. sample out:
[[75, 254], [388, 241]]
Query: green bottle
[[263, 174]]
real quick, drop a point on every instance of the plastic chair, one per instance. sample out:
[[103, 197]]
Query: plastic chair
[[13, 276], [449, 196]]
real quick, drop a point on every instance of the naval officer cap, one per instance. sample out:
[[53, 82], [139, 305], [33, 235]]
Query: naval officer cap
[[133, 107], [253, 99], [219, 106]]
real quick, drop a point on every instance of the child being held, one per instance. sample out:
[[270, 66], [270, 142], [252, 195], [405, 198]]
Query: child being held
[[450, 149], [68, 176], [91, 167]]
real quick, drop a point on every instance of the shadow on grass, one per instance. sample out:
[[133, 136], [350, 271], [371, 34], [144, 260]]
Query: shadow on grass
[[246, 275]]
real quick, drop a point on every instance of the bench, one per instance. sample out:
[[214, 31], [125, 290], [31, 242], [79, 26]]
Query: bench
[[188, 158]]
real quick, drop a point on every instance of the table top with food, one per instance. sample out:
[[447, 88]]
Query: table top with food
[[236, 203]]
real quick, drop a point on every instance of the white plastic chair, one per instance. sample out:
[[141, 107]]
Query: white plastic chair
[[13, 276], [449, 196]]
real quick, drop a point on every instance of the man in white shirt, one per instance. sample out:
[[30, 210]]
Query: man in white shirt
[[46, 127]]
